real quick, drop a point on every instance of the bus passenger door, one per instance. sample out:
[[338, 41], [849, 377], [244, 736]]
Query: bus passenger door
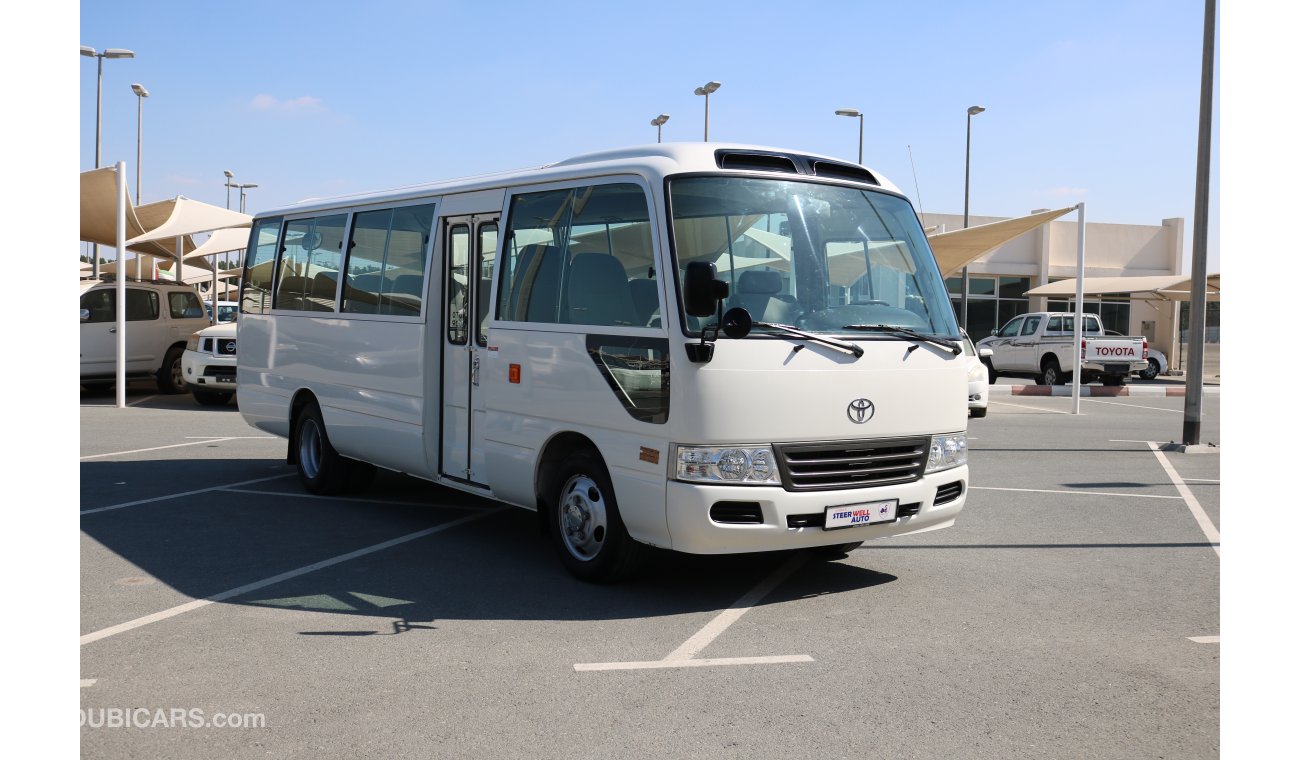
[[471, 243]]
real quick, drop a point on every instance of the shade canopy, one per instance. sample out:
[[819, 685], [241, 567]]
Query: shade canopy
[[186, 216], [1164, 287], [957, 249], [221, 241]]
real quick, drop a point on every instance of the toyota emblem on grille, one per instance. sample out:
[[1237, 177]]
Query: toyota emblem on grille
[[861, 410]]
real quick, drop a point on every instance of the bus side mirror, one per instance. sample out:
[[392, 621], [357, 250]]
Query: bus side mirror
[[701, 289]]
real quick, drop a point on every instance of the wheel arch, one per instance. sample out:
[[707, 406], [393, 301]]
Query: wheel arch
[[554, 452], [301, 399]]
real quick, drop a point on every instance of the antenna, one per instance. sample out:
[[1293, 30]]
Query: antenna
[[919, 204]]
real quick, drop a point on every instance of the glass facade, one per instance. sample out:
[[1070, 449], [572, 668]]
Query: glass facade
[[993, 302]]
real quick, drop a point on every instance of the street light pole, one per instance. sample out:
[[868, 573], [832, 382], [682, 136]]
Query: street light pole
[[229, 176], [90, 52], [706, 91], [659, 121], [965, 219], [140, 94], [242, 188], [860, 115]]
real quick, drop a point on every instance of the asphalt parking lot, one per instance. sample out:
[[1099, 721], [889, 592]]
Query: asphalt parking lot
[[1073, 611]]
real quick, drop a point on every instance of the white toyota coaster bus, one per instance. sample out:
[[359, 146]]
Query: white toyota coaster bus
[[703, 347]]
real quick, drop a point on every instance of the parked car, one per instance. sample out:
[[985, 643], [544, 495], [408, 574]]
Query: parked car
[[159, 317], [209, 364], [226, 310], [977, 376], [1041, 345]]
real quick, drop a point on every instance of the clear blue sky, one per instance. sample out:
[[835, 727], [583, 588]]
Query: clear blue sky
[[1094, 103]]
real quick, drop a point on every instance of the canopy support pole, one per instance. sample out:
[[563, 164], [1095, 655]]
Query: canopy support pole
[[120, 285], [1078, 318]]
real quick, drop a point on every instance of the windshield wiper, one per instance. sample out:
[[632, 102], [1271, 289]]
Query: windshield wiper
[[842, 345], [955, 348]]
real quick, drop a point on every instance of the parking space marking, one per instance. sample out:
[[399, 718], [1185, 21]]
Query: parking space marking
[[1079, 493], [184, 493], [1207, 526], [1026, 406], [86, 683], [684, 655], [1202, 480], [1204, 639], [364, 500], [178, 445], [1135, 406], [180, 609]]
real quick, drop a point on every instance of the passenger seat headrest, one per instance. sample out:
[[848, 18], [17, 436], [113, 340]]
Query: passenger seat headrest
[[766, 283]]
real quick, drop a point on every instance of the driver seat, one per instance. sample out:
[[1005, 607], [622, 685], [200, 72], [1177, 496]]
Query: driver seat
[[759, 293]]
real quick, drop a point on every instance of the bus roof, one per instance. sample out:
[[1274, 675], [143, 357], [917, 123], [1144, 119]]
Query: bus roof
[[653, 160]]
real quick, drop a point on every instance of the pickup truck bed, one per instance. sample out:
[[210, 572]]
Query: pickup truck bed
[[1041, 345]]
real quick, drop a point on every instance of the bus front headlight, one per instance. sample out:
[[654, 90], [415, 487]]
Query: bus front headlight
[[736, 465], [946, 452]]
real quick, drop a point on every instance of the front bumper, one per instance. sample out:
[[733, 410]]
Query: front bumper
[[208, 372], [694, 532]]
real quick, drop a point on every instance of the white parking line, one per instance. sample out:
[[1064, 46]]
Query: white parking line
[[1136, 406], [684, 655], [363, 499], [1207, 526], [180, 609], [142, 400], [1026, 406], [1078, 493], [178, 445], [86, 683], [184, 493], [1202, 480], [1204, 639]]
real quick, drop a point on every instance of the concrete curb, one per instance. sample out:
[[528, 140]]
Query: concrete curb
[[1096, 390]]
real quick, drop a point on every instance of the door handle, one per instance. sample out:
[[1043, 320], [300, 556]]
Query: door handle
[[473, 372], [112, 329]]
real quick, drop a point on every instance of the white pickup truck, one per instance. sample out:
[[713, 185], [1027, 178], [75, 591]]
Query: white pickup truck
[[1041, 345]]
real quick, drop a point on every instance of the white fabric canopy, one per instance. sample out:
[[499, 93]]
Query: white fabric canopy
[[956, 249], [187, 217], [99, 216], [1164, 287], [221, 241]]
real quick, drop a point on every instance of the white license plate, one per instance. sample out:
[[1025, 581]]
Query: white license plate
[[849, 515]]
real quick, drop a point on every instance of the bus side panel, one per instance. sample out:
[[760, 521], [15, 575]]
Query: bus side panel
[[561, 390], [262, 403], [366, 374]]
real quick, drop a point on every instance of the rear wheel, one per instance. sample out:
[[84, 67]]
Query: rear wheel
[[211, 398], [585, 524], [1051, 374], [321, 469], [1151, 371], [171, 379]]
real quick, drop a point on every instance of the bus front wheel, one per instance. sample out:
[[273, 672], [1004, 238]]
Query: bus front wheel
[[586, 528]]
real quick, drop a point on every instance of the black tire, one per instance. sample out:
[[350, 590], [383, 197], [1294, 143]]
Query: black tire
[[171, 379], [97, 388], [1051, 374], [834, 551], [993, 374], [979, 411], [1152, 370], [211, 398], [585, 525], [322, 470]]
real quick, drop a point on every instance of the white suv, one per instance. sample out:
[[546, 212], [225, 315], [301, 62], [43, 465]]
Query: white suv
[[209, 364], [160, 317]]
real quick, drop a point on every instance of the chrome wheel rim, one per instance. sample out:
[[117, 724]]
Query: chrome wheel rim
[[178, 377], [583, 517], [309, 445]]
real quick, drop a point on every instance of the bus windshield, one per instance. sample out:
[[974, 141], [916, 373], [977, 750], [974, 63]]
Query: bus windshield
[[817, 257]]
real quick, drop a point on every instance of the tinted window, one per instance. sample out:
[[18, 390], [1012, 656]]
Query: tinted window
[[458, 271], [142, 305], [184, 305], [1010, 328], [102, 305], [571, 256], [310, 262], [386, 254], [1031, 325], [259, 267]]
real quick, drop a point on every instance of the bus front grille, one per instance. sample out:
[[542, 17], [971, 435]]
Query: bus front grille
[[851, 464]]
